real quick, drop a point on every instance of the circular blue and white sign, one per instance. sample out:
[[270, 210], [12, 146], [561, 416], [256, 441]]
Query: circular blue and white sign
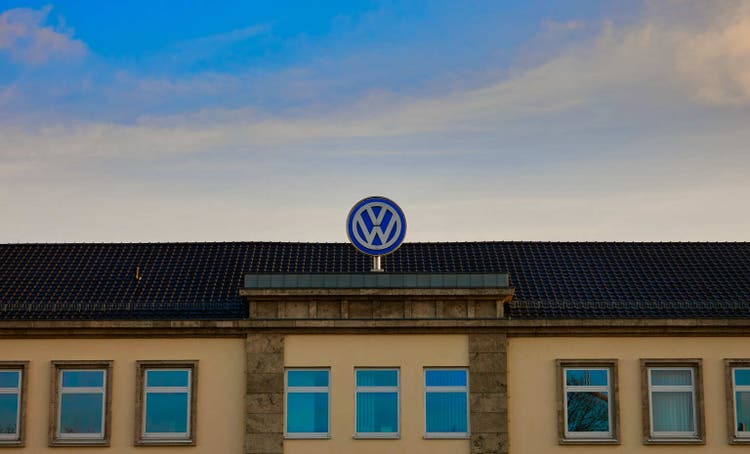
[[376, 225]]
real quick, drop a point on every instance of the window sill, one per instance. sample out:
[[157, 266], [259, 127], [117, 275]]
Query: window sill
[[589, 441], [78, 442], [739, 440], [307, 436], [446, 436], [11, 444], [163, 442], [377, 436], [674, 441]]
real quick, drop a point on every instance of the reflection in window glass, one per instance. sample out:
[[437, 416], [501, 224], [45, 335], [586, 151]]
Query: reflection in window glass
[[10, 398], [166, 403], [81, 404], [588, 411], [376, 400], [446, 402], [741, 378], [307, 404]]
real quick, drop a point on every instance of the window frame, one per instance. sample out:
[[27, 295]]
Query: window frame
[[698, 436], [58, 368], [165, 438], [308, 389], [734, 436], [379, 389], [444, 389], [612, 437], [18, 439]]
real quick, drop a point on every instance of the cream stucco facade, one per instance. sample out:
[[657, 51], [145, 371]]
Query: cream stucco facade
[[532, 388], [410, 353], [221, 379]]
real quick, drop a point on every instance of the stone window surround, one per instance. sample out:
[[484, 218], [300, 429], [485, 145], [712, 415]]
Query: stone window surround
[[19, 442], [141, 367], [57, 367], [729, 365], [612, 365], [694, 363]]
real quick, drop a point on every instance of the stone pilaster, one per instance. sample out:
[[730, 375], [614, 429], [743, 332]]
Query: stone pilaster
[[264, 423], [488, 393]]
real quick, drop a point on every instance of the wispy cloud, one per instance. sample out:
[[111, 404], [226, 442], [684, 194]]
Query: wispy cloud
[[25, 37]]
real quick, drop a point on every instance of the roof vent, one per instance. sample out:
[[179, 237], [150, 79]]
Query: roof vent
[[138, 275]]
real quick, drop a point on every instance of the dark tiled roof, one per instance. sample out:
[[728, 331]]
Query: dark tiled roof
[[201, 280]]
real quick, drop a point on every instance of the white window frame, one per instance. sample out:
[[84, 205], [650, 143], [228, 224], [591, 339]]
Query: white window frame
[[188, 389], [744, 434], [62, 390], [378, 389], [17, 391], [672, 388], [306, 389], [446, 389], [583, 389]]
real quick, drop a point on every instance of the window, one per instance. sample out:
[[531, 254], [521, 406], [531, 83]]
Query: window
[[674, 401], [82, 402], [165, 406], [307, 403], [12, 399], [738, 387], [446, 403], [377, 408], [587, 401]]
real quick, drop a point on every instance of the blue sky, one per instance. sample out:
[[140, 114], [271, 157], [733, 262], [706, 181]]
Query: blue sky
[[188, 121]]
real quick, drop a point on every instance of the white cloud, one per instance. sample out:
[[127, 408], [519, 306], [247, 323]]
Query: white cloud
[[26, 39]]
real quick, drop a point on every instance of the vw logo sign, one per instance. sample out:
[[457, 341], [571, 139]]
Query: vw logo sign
[[376, 226]]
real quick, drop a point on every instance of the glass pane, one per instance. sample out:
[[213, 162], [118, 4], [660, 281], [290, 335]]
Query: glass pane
[[81, 413], [386, 377], [377, 412], [178, 377], [445, 377], [588, 412], [8, 413], [83, 378], [307, 412], [446, 412], [671, 377], [743, 411], [307, 378], [586, 377], [742, 377], [166, 412], [9, 379], [672, 411]]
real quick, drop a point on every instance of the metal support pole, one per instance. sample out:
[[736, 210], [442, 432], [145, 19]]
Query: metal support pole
[[376, 265]]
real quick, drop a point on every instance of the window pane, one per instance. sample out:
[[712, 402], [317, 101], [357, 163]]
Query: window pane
[[672, 411], [81, 413], [166, 378], [588, 412], [445, 377], [586, 377], [307, 412], [446, 412], [166, 412], [8, 413], [743, 411], [377, 378], [83, 378], [671, 377], [9, 379], [307, 378], [742, 377], [377, 412]]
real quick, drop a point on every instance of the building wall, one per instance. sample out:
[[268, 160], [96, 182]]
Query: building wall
[[532, 388], [342, 353], [221, 380]]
